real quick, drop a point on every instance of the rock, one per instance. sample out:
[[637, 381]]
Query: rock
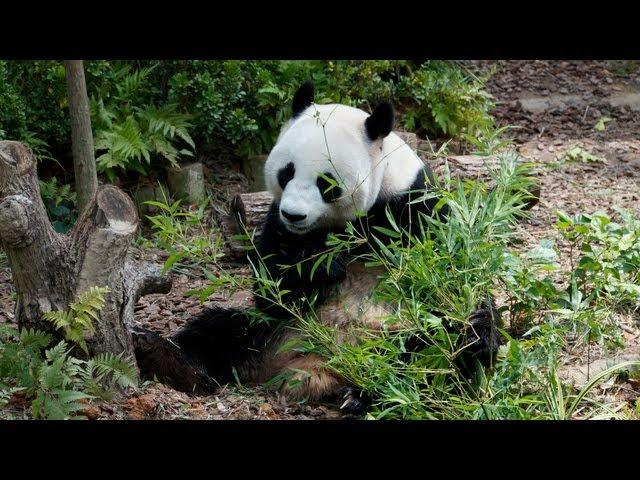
[[541, 104], [145, 193], [253, 169], [187, 183], [410, 139]]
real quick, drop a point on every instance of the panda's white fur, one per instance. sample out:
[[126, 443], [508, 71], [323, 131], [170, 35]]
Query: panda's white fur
[[332, 138]]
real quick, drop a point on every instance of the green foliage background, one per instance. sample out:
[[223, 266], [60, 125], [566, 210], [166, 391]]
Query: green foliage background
[[234, 106]]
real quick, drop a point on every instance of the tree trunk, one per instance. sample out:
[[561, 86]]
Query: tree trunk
[[50, 270], [81, 136]]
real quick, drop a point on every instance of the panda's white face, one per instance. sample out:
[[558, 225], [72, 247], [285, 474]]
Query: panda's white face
[[324, 169]]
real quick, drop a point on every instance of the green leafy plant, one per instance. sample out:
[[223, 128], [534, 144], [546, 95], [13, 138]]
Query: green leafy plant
[[128, 133], [600, 126], [488, 140], [605, 254], [33, 99], [183, 235], [237, 108], [578, 154], [447, 100]]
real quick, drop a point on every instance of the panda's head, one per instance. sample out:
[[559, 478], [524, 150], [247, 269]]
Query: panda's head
[[326, 165]]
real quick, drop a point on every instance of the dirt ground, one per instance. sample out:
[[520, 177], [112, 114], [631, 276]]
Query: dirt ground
[[554, 104]]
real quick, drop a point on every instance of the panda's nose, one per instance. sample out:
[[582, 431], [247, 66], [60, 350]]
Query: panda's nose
[[293, 217]]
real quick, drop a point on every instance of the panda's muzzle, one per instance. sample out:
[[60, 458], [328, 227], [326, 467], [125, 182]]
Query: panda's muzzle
[[293, 217]]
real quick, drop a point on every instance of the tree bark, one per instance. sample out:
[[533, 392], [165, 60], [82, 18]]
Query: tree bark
[[49, 269], [81, 135]]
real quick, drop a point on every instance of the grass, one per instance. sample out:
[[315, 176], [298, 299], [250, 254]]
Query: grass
[[183, 234]]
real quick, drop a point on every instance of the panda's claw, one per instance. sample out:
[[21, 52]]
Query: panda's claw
[[356, 402]]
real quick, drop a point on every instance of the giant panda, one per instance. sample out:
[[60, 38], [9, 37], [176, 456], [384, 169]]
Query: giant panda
[[329, 163]]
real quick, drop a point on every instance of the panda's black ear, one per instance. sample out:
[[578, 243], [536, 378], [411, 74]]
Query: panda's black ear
[[302, 98], [380, 123]]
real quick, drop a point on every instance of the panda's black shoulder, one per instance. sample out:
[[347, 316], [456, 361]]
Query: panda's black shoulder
[[402, 205]]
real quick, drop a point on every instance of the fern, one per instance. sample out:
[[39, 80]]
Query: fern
[[6, 392], [101, 373], [78, 319], [39, 147], [7, 332], [55, 395], [128, 136], [129, 83], [167, 122], [30, 338], [55, 381]]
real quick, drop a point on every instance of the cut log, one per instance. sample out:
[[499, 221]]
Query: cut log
[[50, 270], [253, 169], [247, 214]]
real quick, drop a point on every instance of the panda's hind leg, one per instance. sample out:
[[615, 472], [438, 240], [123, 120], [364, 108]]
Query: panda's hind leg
[[201, 356], [220, 339], [306, 377], [160, 358]]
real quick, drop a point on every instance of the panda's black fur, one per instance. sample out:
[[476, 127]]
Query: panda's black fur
[[220, 343]]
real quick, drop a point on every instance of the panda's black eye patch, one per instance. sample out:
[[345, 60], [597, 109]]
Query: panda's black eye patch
[[286, 174], [328, 187]]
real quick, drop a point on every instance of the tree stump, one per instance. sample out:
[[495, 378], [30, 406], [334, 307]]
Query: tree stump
[[50, 270], [187, 183]]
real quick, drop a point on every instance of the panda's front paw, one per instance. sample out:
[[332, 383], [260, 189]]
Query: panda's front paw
[[353, 401], [482, 337]]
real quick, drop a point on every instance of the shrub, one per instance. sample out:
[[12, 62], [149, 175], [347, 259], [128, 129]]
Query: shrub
[[244, 104], [442, 100]]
